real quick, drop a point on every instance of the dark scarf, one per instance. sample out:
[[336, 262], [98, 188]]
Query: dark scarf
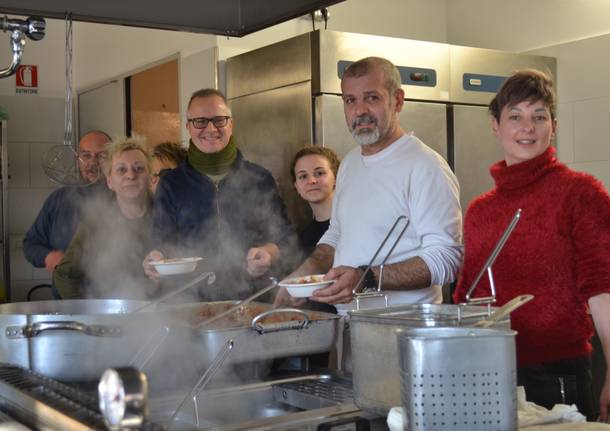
[[214, 163]]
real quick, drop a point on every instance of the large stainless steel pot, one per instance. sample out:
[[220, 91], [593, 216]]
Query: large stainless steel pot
[[374, 352], [76, 340], [258, 332], [73, 340]]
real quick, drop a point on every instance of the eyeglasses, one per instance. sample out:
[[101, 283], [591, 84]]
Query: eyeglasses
[[88, 156], [202, 122]]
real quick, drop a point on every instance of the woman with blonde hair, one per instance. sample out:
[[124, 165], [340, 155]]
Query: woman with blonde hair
[[104, 258]]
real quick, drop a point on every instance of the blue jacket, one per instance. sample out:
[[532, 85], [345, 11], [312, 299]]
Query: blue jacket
[[57, 221], [194, 217]]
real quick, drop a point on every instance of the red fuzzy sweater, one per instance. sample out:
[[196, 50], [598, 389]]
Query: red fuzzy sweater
[[559, 252]]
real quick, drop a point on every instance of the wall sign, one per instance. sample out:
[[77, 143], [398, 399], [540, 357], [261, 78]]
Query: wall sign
[[26, 79]]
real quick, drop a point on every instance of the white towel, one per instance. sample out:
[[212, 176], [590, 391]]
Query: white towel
[[531, 414]]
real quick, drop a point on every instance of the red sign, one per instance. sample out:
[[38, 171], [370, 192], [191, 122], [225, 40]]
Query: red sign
[[27, 76]]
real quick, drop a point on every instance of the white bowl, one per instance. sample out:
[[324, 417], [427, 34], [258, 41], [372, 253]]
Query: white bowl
[[303, 287], [182, 265]]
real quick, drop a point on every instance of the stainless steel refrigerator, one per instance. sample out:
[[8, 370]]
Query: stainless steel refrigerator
[[287, 95]]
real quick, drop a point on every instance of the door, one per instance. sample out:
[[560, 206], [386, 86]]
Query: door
[[270, 127], [103, 108]]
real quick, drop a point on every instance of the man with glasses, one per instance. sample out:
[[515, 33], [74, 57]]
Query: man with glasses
[[47, 239], [219, 206]]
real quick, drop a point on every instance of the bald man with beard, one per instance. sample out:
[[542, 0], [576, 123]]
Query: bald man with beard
[[47, 239]]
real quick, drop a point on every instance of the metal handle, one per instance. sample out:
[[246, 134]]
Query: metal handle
[[240, 304], [282, 325], [35, 329], [33, 28], [370, 295], [357, 290], [148, 349], [205, 378], [490, 261]]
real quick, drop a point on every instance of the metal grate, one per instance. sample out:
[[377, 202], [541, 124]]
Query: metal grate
[[32, 386], [315, 393]]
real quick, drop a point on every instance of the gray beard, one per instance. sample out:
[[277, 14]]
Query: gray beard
[[366, 138]]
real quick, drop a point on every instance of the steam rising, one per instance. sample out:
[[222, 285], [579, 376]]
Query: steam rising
[[112, 259]]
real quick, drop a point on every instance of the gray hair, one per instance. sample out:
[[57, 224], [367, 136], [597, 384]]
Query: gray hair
[[208, 92], [366, 65]]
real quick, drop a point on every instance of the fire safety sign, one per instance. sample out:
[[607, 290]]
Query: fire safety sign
[[26, 79]]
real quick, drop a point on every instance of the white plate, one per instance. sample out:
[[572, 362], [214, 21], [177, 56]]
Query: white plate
[[181, 265], [303, 287]]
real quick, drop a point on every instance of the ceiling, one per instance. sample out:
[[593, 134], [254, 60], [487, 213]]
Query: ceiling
[[226, 17]]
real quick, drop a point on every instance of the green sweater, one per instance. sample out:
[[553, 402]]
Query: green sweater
[[104, 259]]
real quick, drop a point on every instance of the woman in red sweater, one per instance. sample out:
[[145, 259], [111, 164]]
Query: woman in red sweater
[[559, 251]]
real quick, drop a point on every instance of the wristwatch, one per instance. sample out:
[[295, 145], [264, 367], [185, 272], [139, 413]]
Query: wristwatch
[[369, 279]]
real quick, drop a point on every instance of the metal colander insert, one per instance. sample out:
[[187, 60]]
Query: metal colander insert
[[458, 379]]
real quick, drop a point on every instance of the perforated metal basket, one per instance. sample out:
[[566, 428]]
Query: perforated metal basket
[[458, 379]]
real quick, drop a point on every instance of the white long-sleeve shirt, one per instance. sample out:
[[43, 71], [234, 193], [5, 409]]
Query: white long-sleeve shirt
[[406, 178]]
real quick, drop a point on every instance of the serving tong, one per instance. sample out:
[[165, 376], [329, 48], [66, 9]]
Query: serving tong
[[487, 268], [358, 291]]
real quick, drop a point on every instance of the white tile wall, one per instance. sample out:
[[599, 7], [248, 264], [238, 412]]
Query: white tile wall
[[23, 207], [18, 165], [583, 89], [20, 267], [34, 119], [38, 179], [20, 288]]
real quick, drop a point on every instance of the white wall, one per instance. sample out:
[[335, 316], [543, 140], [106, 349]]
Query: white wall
[[520, 25], [196, 71], [583, 138], [102, 51]]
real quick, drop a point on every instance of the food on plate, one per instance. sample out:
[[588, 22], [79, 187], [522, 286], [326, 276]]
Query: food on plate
[[306, 279], [303, 287]]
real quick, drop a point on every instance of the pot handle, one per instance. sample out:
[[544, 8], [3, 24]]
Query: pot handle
[[282, 326], [35, 329]]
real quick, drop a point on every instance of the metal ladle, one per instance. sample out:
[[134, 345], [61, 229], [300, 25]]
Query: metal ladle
[[205, 379], [209, 275]]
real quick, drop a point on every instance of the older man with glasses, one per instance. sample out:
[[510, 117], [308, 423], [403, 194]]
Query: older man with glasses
[[219, 206], [47, 239]]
